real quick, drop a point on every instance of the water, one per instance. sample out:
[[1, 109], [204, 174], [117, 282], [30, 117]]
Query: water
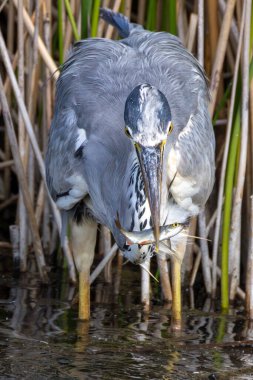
[[41, 337]]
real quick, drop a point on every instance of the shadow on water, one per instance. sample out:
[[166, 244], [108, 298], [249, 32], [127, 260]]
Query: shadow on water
[[41, 338]]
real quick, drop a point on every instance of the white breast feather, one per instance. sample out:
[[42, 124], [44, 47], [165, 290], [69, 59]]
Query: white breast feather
[[78, 191], [183, 188], [81, 138]]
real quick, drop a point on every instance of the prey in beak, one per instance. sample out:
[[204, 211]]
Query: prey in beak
[[148, 123], [146, 237]]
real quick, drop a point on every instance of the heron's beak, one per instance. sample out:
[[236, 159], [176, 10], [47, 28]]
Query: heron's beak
[[151, 162]]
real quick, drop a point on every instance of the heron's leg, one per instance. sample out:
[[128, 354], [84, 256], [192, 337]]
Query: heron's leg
[[176, 290], [83, 242], [145, 285], [107, 247], [180, 248], [164, 276]]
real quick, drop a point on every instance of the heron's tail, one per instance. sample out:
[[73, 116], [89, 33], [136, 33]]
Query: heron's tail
[[119, 21]]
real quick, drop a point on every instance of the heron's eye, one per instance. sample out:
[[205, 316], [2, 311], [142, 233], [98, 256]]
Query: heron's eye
[[170, 128], [127, 132], [175, 225]]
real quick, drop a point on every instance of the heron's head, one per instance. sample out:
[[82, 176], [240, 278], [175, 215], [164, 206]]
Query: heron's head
[[138, 254], [148, 123]]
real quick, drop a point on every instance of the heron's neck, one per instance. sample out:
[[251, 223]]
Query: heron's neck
[[138, 207]]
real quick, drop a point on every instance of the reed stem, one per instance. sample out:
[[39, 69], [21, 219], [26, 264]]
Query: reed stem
[[230, 171], [151, 15], [72, 20], [172, 15], [237, 205], [222, 181], [60, 30], [41, 46], [85, 17], [220, 54], [23, 233], [34, 143], [95, 16], [23, 185]]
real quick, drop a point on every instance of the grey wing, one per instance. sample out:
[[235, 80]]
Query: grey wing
[[82, 97], [65, 179], [192, 159]]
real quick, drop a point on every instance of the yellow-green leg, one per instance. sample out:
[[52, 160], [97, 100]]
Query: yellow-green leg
[[84, 296], [162, 262], [176, 292], [145, 285], [176, 282], [83, 244]]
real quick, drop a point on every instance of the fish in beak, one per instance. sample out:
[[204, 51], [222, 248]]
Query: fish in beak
[[147, 236]]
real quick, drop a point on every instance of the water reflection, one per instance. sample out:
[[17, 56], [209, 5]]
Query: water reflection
[[40, 336]]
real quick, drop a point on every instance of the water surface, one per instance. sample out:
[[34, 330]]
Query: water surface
[[41, 337]]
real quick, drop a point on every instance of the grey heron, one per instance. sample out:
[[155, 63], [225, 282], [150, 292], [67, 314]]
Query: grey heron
[[131, 138]]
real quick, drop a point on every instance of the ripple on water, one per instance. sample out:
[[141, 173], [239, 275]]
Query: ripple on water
[[40, 338]]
